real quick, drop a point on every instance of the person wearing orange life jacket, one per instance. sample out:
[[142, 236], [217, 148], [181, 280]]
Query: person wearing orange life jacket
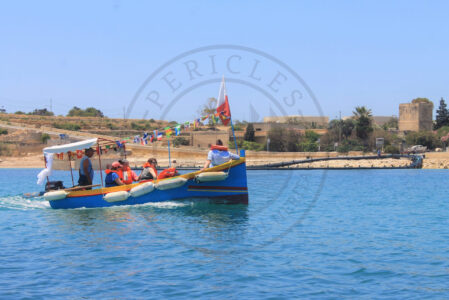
[[218, 155], [112, 178], [127, 176], [149, 171]]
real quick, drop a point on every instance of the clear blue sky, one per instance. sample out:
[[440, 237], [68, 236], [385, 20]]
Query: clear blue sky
[[98, 53]]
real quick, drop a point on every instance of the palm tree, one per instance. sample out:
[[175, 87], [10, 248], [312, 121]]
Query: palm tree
[[362, 111], [363, 122]]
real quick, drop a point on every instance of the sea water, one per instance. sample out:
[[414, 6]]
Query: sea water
[[305, 234]]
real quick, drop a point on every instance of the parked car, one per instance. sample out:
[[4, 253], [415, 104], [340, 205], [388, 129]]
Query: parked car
[[416, 149]]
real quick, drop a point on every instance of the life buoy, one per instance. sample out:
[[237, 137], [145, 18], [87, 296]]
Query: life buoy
[[171, 183], [211, 176], [56, 195], [116, 196], [219, 147], [167, 173], [142, 189], [79, 154]]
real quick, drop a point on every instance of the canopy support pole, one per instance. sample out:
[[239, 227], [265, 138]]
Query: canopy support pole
[[99, 163], [70, 166], [45, 163]]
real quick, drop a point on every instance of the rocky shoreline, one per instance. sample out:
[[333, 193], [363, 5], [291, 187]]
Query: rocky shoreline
[[36, 161]]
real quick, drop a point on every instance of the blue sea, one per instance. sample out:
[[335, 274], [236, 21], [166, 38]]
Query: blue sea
[[351, 234]]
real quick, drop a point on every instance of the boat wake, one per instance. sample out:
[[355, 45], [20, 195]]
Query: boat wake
[[22, 203]]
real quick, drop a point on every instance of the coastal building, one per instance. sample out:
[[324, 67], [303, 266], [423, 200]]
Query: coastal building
[[204, 139], [305, 121], [415, 116], [382, 120]]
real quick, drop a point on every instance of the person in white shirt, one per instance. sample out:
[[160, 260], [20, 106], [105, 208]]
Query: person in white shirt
[[218, 155]]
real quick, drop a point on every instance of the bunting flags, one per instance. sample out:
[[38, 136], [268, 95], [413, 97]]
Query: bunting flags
[[168, 131]]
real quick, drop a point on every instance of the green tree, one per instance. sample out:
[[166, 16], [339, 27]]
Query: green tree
[[292, 141], [249, 133], [277, 137], [421, 100], [392, 123], [424, 138], [346, 127], [41, 112], [88, 112], [442, 118], [363, 122]]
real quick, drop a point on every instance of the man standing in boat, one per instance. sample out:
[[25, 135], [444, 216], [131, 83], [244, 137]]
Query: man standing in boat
[[86, 171], [218, 155]]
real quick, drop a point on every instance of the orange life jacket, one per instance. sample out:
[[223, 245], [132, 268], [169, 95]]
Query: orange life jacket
[[129, 176], [148, 165], [218, 147], [167, 173], [107, 171]]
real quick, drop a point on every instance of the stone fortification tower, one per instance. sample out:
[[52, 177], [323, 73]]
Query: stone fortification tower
[[415, 116]]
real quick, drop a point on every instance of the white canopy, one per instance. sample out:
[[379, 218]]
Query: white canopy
[[71, 147]]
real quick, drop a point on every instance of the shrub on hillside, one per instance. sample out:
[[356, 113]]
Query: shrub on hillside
[[44, 138], [111, 126], [136, 126], [88, 112], [67, 126], [3, 131], [4, 149], [41, 112], [179, 140]]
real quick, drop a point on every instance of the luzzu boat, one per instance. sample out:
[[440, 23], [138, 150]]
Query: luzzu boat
[[225, 183]]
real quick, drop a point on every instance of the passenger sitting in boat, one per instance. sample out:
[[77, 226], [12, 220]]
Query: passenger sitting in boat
[[127, 176], [218, 155], [112, 177], [86, 172], [149, 171]]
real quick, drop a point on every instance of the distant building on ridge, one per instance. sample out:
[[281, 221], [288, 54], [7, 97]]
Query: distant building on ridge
[[306, 121]]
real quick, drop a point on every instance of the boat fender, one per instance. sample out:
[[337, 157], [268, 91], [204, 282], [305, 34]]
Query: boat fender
[[142, 189], [55, 195], [211, 176], [171, 183], [116, 196]]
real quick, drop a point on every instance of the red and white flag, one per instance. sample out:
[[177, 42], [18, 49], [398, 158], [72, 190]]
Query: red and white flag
[[223, 110]]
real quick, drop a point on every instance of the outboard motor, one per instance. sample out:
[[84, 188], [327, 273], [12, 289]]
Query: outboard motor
[[54, 185]]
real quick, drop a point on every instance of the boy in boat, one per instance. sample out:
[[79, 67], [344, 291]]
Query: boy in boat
[[149, 171], [218, 155], [112, 177], [127, 176], [86, 172]]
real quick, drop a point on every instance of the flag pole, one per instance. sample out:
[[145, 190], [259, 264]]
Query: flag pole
[[235, 140], [169, 159]]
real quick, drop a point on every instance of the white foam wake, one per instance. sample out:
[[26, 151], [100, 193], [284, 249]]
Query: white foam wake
[[21, 203]]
